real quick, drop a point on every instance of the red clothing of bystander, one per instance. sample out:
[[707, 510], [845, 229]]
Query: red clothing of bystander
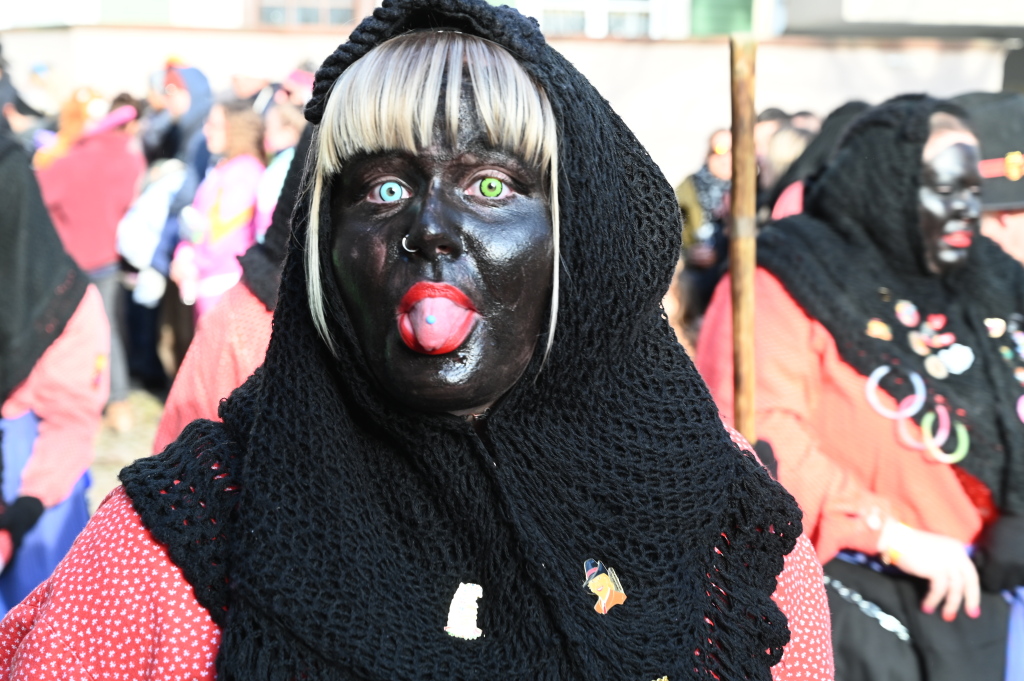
[[67, 389], [230, 343], [844, 462], [89, 190]]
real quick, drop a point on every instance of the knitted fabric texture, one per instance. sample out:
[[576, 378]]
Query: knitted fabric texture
[[41, 285], [262, 263], [858, 249], [327, 530]]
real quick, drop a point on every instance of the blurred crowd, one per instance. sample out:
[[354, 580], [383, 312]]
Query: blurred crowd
[[789, 148], [156, 198]]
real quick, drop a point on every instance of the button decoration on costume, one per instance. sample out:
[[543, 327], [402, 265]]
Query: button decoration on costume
[[1006, 352], [1018, 373], [935, 368], [918, 344], [907, 313], [879, 329], [958, 358], [908, 406], [1020, 408], [996, 327], [937, 321], [603, 583], [463, 611]]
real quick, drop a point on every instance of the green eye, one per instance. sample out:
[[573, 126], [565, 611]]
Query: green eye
[[491, 187]]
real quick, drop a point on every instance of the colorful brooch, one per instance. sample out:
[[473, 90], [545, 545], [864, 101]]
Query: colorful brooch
[[603, 583]]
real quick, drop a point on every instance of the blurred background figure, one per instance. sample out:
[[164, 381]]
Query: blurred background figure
[[54, 382], [220, 225], [786, 197], [297, 88], [88, 189], [84, 108], [769, 122], [784, 147], [284, 126], [231, 340], [998, 120], [256, 91], [703, 201]]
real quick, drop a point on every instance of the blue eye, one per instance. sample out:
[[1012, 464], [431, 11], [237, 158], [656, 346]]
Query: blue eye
[[391, 191]]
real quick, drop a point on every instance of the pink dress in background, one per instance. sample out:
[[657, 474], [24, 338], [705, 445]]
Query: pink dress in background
[[226, 204]]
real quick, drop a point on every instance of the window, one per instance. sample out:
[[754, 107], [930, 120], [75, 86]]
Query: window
[[560, 22], [629, 24], [274, 15], [719, 17], [339, 15], [304, 13], [308, 15]]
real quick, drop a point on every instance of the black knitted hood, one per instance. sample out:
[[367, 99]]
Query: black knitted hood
[[41, 284], [328, 529], [857, 251]]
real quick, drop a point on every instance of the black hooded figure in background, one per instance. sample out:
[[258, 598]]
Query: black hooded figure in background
[[473, 418]]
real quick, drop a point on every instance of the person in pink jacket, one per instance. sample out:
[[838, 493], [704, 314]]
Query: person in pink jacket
[[219, 226]]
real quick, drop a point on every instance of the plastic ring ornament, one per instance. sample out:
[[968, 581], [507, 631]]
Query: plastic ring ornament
[[938, 440], [905, 411], [963, 441]]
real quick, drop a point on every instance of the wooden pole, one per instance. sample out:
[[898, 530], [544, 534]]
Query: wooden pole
[[742, 238]]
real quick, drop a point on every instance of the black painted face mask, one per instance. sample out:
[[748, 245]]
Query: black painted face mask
[[949, 206], [443, 259]]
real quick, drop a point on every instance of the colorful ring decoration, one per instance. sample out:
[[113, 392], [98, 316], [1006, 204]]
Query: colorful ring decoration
[[905, 412], [963, 441], [938, 440]]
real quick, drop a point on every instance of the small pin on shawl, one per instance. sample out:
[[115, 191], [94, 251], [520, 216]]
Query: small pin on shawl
[[463, 611]]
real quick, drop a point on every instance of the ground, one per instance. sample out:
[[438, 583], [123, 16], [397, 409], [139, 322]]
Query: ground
[[114, 450]]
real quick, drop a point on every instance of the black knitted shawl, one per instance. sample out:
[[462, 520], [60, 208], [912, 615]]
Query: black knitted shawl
[[326, 529], [40, 283], [857, 250], [263, 262]]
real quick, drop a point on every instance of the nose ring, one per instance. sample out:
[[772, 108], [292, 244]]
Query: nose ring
[[406, 246]]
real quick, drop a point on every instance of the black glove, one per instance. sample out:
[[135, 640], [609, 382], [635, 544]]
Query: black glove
[[764, 451], [20, 517], [1000, 554]]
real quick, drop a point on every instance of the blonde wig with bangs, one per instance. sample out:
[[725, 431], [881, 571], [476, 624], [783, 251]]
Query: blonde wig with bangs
[[388, 101]]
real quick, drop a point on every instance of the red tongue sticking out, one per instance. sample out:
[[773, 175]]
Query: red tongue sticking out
[[435, 326]]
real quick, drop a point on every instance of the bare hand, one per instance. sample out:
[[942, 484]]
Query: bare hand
[[942, 560]]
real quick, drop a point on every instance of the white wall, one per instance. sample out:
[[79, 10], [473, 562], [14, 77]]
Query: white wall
[[673, 94], [15, 13]]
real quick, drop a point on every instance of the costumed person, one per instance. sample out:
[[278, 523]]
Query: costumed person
[[284, 125], [998, 120], [787, 196], [704, 202], [87, 191], [441, 435], [54, 381], [220, 224], [231, 339], [889, 355]]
